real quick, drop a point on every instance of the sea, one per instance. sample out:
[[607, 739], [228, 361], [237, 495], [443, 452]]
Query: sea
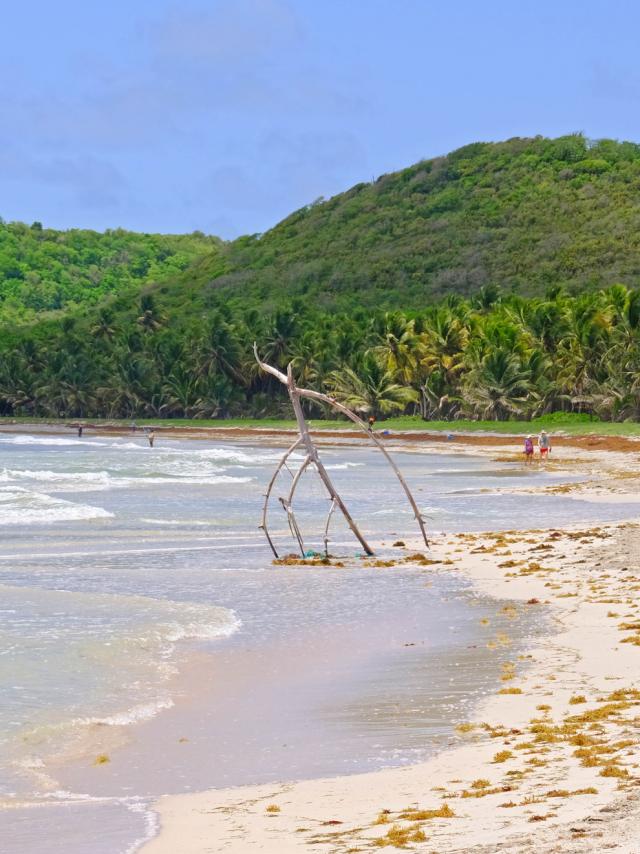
[[149, 645]]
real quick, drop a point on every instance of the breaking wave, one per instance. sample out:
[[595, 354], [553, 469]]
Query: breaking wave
[[21, 506]]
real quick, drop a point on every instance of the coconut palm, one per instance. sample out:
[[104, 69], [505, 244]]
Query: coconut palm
[[498, 387], [398, 348], [372, 390]]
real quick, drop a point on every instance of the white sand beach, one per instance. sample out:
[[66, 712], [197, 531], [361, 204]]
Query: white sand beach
[[550, 764]]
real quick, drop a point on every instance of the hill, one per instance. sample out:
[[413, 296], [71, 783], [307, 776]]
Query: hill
[[525, 215], [42, 269], [497, 282]]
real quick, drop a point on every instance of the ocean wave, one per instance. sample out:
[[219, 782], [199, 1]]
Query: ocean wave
[[392, 511], [142, 445], [47, 440], [342, 466], [94, 481], [21, 506], [99, 660], [236, 455], [100, 481], [152, 480], [136, 714], [176, 522]]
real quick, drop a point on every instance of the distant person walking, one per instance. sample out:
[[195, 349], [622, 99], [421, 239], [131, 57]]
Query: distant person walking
[[151, 437], [80, 429], [134, 426], [372, 421], [544, 444], [528, 450]]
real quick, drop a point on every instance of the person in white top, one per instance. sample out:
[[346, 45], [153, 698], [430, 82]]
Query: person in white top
[[544, 445]]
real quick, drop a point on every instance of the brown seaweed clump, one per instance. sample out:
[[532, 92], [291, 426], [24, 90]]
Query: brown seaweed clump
[[296, 560]]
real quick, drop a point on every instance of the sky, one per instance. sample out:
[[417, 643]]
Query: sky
[[224, 116]]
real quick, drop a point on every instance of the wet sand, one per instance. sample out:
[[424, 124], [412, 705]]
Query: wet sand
[[550, 764], [588, 442]]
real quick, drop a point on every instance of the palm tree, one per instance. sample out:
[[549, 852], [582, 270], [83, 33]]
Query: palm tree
[[277, 347], [373, 390], [220, 350], [498, 387], [399, 349], [150, 318], [581, 352], [444, 339], [104, 325]]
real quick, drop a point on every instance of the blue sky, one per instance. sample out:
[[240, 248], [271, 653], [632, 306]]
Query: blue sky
[[226, 115]]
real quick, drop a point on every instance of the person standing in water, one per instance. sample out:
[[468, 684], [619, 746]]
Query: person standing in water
[[80, 429], [151, 437], [544, 445], [528, 450]]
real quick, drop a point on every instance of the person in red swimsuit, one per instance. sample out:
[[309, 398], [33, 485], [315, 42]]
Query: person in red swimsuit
[[544, 444]]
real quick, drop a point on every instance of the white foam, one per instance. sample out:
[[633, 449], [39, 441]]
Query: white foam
[[46, 440], [20, 506], [176, 522], [143, 712], [64, 481], [130, 446], [151, 825], [342, 466], [100, 481], [235, 455], [152, 480]]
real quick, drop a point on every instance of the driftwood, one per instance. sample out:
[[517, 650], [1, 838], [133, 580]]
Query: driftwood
[[312, 458]]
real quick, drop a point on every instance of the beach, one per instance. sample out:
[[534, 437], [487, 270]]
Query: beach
[[518, 780], [517, 783], [506, 663]]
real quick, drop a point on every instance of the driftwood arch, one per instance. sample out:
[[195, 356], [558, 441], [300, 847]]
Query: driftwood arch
[[304, 439]]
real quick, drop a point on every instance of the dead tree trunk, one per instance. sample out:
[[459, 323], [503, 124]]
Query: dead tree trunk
[[312, 457]]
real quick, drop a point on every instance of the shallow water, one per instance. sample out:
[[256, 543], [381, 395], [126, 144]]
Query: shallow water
[[118, 559]]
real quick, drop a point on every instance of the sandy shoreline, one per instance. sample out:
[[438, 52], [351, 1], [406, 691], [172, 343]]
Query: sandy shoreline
[[552, 763], [452, 438]]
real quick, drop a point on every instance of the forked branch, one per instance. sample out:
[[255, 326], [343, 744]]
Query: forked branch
[[304, 438]]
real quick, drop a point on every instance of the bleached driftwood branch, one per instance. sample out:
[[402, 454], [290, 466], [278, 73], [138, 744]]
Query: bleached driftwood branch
[[312, 457]]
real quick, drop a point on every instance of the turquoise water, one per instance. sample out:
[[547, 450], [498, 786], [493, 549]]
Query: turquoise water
[[117, 559]]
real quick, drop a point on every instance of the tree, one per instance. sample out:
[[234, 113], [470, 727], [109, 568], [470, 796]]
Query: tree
[[497, 387], [372, 390]]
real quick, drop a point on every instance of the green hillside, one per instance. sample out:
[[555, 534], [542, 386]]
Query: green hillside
[[525, 215], [496, 283], [42, 269]]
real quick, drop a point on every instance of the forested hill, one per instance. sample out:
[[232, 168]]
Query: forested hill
[[42, 269], [500, 281], [524, 214]]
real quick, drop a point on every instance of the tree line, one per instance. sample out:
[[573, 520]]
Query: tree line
[[43, 269], [494, 356]]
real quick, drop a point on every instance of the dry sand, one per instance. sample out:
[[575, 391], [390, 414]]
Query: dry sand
[[551, 764]]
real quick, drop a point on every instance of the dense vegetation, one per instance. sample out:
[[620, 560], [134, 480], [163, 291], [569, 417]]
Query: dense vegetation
[[490, 357], [42, 269], [526, 215], [363, 294]]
